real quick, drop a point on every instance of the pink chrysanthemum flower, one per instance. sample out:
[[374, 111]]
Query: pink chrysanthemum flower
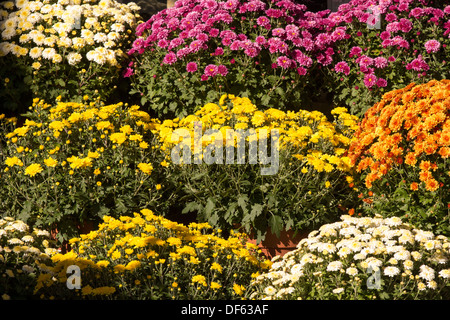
[[370, 80], [284, 62], [432, 46], [342, 67], [211, 70], [191, 67], [170, 58], [222, 70]]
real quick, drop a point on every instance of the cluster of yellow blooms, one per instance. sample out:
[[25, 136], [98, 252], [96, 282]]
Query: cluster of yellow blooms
[[309, 136], [74, 119], [149, 251]]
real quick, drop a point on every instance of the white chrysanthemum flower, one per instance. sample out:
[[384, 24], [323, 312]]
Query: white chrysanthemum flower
[[426, 272], [445, 273], [74, 58], [24, 38], [20, 226], [38, 38], [35, 18], [42, 233], [21, 3], [27, 239], [344, 251], [405, 238], [28, 269], [109, 44], [8, 33], [86, 33], [408, 264], [391, 271], [432, 284], [351, 271], [338, 290], [334, 266], [15, 241], [48, 53], [64, 42], [328, 247], [46, 8], [297, 269], [402, 254], [57, 58], [49, 41], [394, 221], [10, 23], [79, 43], [359, 256], [5, 48], [373, 262], [416, 255], [117, 27], [100, 37], [270, 291], [423, 236]]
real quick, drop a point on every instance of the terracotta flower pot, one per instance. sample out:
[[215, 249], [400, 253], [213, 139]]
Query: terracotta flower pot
[[83, 228], [272, 246]]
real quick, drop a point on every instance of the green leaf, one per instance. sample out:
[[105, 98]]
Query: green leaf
[[210, 205], [242, 202], [276, 224]]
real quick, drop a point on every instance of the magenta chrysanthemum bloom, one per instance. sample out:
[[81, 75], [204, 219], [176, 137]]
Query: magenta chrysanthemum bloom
[[262, 21], [196, 45], [211, 70], [342, 67], [385, 35], [236, 45], [274, 13], [301, 71], [380, 62], [283, 62], [370, 80], [432, 46], [355, 51], [417, 64], [260, 40], [222, 70], [390, 17], [128, 73], [218, 51], [163, 43], [364, 61], [170, 58], [291, 32], [381, 83], [278, 32], [191, 67]]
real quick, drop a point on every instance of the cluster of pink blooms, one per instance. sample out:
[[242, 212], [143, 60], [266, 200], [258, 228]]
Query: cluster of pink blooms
[[294, 37], [206, 26], [399, 37]]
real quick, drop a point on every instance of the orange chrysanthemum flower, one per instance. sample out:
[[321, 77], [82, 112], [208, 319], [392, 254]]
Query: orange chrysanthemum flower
[[408, 126]]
